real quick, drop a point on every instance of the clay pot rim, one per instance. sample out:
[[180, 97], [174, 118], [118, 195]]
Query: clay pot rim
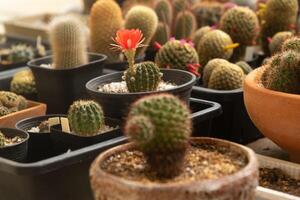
[[251, 81], [204, 185]]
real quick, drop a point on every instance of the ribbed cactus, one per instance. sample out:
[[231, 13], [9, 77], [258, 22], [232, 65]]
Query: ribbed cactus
[[2, 138], [162, 34], [4, 111], [144, 19], [160, 126], [198, 34], [86, 118], [104, 21], [209, 67], [9, 99], [207, 13], [23, 83], [278, 15], [176, 54], [164, 11], [291, 44], [185, 25], [227, 76], [68, 42], [244, 66], [178, 6], [214, 44], [277, 41], [142, 77], [284, 75]]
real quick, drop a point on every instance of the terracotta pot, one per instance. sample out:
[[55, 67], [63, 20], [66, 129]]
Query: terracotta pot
[[276, 114], [240, 185], [34, 109]]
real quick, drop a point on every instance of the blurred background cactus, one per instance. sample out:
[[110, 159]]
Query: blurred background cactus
[[11, 102], [164, 11], [162, 34], [68, 42], [163, 140], [185, 25], [277, 41], [23, 83]]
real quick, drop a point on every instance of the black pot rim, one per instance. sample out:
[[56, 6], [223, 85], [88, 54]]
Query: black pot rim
[[32, 64], [190, 82], [208, 90], [17, 144]]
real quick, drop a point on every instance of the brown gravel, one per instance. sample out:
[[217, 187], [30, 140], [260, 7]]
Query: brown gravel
[[201, 163], [277, 179]]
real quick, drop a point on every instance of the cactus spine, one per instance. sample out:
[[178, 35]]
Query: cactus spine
[[185, 25], [86, 118], [292, 44], [160, 126], [164, 11], [68, 42], [104, 21], [142, 77], [23, 83], [145, 19], [277, 41]]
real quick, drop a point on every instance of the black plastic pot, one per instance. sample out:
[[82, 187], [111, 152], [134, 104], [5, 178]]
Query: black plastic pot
[[69, 141], [116, 105], [150, 53], [40, 145], [257, 60], [16, 152], [58, 88], [234, 124], [121, 66]]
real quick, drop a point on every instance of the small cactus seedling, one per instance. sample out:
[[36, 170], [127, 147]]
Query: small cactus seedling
[[68, 42], [178, 54], [159, 125], [86, 118], [140, 77], [104, 21], [23, 83], [215, 44], [277, 41], [291, 44], [164, 11], [144, 19]]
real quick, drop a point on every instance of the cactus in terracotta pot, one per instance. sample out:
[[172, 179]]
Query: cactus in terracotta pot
[[68, 42], [23, 83], [140, 77], [4, 111], [163, 143], [291, 44], [277, 41], [86, 118], [185, 25], [104, 21]]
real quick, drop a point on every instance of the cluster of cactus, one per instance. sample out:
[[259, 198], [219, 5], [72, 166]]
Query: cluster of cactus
[[215, 44], [219, 74], [2, 139], [16, 53], [242, 25], [142, 77], [277, 41], [104, 21], [68, 42], [23, 83], [278, 15], [86, 118], [208, 13], [176, 54], [11, 102], [282, 73], [160, 125]]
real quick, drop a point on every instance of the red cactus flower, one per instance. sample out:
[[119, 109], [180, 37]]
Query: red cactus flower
[[128, 39], [193, 68]]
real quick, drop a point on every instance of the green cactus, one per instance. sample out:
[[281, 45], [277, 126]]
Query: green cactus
[[9, 99], [162, 34], [86, 118], [160, 126], [176, 54], [198, 34], [179, 6], [68, 42], [145, 19], [227, 76], [23, 83], [277, 41], [164, 11], [4, 111], [142, 77], [22, 104], [209, 67], [104, 21], [244, 66], [292, 44], [185, 25], [284, 75], [207, 13], [278, 15], [215, 44], [2, 139]]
